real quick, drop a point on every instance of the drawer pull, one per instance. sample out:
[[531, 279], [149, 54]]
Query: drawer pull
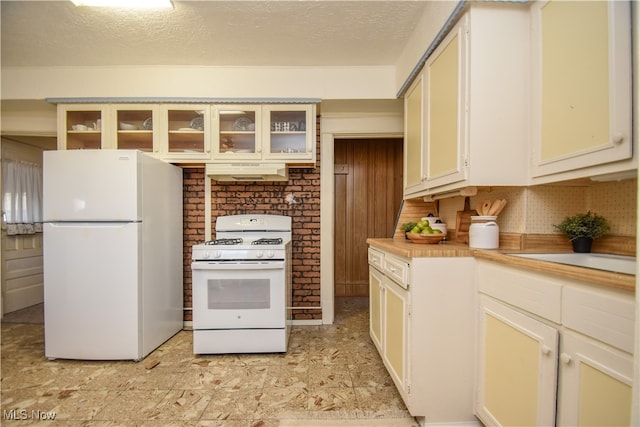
[[546, 350], [565, 358]]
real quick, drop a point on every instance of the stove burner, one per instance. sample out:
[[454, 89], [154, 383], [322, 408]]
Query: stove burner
[[267, 241], [235, 241]]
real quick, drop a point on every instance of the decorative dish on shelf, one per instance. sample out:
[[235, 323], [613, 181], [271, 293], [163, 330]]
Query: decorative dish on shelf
[[197, 123], [426, 238], [127, 126], [147, 124], [243, 124]]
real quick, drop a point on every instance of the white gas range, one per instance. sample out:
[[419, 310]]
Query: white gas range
[[241, 286]]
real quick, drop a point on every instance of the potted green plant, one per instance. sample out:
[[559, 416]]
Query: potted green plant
[[582, 229]]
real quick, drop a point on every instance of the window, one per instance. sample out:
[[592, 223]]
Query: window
[[22, 197]]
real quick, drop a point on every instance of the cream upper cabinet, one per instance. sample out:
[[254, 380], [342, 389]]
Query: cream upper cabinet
[[282, 133], [81, 126], [446, 106], [237, 132], [185, 130], [471, 115], [581, 89], [289, 133], [414, 166], [195, 133], [133, 128]]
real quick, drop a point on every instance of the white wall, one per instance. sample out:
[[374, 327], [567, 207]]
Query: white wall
[[199, 82]]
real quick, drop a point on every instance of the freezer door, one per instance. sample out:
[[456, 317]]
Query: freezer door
[[92, 297], [91, 185]]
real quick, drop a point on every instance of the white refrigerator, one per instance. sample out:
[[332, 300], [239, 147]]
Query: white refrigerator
[[112, 254]]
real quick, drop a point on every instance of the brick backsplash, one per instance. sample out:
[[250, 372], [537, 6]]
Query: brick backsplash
[[263, 198]]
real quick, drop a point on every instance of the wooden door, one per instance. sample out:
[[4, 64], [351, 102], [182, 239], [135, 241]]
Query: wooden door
[[22, 278], [368, 193]]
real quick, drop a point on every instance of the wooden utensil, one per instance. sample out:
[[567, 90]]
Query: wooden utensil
[[486, 206], [463, 222], [503, 203], [494, 207]]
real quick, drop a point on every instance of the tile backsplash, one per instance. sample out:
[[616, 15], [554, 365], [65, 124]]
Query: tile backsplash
[[534, 210]]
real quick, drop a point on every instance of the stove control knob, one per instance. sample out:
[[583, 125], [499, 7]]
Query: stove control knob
[[259, 254], [217, 254], [205, 254], [270, 254]]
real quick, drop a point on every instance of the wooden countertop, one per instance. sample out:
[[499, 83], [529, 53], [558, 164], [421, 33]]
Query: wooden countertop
[[406, 248]]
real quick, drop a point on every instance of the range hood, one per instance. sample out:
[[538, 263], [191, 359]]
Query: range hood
[[247, 171]]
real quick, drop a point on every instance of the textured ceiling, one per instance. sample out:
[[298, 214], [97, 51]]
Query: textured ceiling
[[209, 33]]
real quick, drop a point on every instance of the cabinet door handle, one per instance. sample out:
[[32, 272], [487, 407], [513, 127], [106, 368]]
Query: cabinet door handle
[[565, 358], [618, 138], [546, 350]]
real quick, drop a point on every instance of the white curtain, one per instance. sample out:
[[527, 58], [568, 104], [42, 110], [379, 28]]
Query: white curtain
[[22, 197]]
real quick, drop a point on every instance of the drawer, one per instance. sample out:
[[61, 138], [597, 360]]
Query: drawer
[[375, 258], [534, 293], [605, 316], [396, 269]]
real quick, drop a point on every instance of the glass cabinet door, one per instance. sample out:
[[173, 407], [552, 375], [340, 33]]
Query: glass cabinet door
[[289, 131], [236, 132], [134, 128], [80, 127], [187, 132]]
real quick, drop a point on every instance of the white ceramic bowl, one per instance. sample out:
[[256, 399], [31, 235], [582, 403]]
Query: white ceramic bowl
[[126, 126]]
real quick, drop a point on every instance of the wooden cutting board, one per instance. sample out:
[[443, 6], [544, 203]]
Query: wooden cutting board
[[463, 222]]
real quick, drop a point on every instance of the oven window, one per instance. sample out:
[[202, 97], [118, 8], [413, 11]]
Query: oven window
[[233, 294]]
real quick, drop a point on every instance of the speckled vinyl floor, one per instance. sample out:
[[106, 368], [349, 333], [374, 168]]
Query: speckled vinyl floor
[[332, 375]]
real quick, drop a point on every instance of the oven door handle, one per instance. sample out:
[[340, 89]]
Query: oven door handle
[[213, 265]]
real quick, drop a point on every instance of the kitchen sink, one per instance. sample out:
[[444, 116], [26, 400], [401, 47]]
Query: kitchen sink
[[616, 263]]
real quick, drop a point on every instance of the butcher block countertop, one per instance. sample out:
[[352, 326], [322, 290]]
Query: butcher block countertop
[[406, 248]]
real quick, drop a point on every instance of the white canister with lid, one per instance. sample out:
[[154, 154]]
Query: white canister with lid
[[484, 232]]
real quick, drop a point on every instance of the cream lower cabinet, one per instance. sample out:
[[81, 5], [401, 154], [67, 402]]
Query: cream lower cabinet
[[517, 365], [552, 351], [595, 383], [376, 288], [422, 323], [395, 312]]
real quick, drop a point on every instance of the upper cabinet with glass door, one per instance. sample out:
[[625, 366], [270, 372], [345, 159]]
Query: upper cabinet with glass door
[[265, 133], [289, 132], [236, 130], [133, 128], [80, 126], [187, 132]]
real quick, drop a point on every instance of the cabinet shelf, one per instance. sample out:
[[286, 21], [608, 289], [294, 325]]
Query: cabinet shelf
[[288, 133], [237, 132]]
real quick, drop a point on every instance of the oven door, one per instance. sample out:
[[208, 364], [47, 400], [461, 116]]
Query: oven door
[[242, 294]]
